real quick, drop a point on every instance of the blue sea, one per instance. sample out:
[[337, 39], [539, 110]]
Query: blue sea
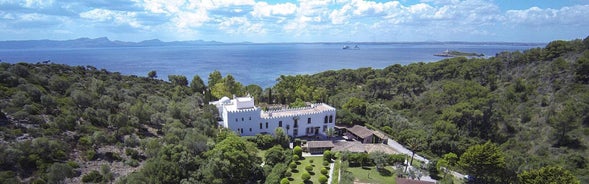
[[259, 64]]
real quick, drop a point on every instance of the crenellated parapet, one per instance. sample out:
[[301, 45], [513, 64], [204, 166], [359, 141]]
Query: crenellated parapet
[[318, 108], [242, 110]]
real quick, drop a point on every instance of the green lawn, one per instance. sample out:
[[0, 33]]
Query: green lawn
[[371, 175], [317, 165]]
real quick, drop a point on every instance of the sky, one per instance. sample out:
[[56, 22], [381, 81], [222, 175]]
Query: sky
[[265, 21]]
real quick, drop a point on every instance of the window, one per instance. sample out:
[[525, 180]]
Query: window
[[295, 132], [324, 128], [325, 121], [266, 125], [296, 124], [250, 118], [280, 124], [308, 120], [261, 126], [241, 119], [250, 129], [331, 119], [235, 119], [242, 130]]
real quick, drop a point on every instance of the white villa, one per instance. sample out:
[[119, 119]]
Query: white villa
[[243, 117]]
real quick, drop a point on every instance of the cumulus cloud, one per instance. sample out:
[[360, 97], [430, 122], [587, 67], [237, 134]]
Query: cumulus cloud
[[37, 3], [117, 17], [304, 19], [534, 16], [189, 19], [241, 25], [263, 9]]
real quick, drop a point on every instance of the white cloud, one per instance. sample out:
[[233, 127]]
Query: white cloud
[[241, 25], [191, 19], [117, 17], [340, 16], [573, 15], [263, 9], [37, 3], [162, 6]]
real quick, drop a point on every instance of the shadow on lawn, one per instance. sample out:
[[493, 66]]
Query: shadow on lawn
[[384, 172]]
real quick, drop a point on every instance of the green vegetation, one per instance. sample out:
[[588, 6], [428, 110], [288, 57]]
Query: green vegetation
[[533, 105], [306, 167], [523, 113], [373, 175]]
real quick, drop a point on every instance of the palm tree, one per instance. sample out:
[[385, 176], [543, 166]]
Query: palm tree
[[413, 144]]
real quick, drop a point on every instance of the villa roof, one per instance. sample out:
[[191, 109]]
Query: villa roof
[[360, 131], [358, 147], [315, 108], [354, 147], [379, 148], [380, 135], [320, 144]]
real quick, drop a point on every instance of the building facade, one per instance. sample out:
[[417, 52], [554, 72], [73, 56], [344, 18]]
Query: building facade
[[243, 117]]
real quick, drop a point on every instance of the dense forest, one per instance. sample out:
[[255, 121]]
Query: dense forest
[[533, 104], [77, 124]]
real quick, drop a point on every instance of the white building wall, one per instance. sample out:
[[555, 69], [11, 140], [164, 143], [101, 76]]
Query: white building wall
[[246, 121], [243, 122], [288, 122]]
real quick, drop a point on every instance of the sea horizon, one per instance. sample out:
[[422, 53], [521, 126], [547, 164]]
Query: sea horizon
[[249, 63]]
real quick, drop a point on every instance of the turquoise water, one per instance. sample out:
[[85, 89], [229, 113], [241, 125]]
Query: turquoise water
[[257, 64]]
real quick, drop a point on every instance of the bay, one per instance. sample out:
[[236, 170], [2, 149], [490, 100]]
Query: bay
[[259, 64]]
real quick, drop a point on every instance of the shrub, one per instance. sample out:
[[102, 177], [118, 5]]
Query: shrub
[[113, 156], [132, 162], [73, 164], [305, 176], [288, 174], [295, 158], [324, 171], [297, 150], [311, 161], [284, 181], [90, 155], [325, 163], [327, 155], [292, 165], [94, 177], [322, 179], [309, 168], [132, 153]]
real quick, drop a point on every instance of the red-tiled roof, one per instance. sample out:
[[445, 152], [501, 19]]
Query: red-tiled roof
[[360, 131], [320, 144]]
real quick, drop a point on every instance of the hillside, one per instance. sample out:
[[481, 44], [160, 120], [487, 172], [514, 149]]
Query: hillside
[[62, 122], [534, 104]]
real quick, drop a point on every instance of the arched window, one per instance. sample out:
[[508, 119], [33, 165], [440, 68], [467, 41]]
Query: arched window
[[331, 119], [325, 121], [261, 125], [266, 125]]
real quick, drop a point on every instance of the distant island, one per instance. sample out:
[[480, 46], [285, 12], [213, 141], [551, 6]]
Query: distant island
[[454, 53], [95, 43], [106, 42]]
